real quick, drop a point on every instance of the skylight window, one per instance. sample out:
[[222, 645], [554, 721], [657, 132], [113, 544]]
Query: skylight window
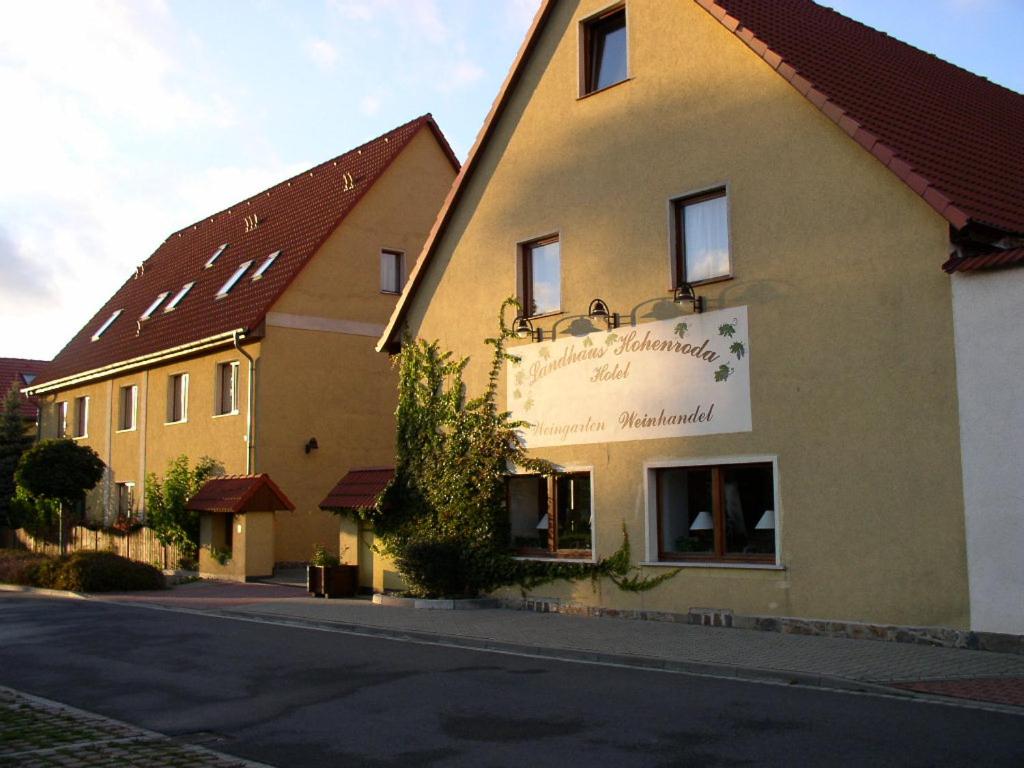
[[178, 297], [265, 265], [216, 254], [226, 288], [107, 324], [154, 306]]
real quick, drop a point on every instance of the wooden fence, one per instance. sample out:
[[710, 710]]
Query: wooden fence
[[141, 544]]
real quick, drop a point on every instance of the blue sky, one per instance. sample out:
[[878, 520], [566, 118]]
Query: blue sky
[[128, 120]]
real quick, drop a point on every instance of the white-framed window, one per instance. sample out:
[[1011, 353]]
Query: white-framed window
[[714, 511], [127, 408], [103, 328], [265, 265], [551, 516], [235, 277], [216, 254], [227, 389], [177, 398], [392, 271], [154, 306], [81, 417], [700, 240], [540, 276], [62, 418], [125, 499], [176, 299]]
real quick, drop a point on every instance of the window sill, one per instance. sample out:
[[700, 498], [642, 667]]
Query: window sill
[[694, 564], [542, 559], [79, 437], [544, 315], [119, 431], [172, 423], [222, 415], [602, 90], [390, 293]]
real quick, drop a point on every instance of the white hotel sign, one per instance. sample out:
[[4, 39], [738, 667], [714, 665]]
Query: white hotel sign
[[685, 376]]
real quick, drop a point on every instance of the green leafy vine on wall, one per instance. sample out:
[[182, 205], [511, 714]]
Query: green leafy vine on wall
[[443, 519]]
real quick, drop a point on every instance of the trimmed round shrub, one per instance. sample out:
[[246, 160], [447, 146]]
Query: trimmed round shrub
[[100, 572], [18, 566]]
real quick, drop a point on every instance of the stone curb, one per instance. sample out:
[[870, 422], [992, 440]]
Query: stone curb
[[45, 592], [140, 732], [419, 603]]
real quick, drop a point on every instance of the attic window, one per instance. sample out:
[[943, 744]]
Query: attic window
[[217, 253], [226, 288], [103, 328], [28, 377], [604, 50], [178, 297], [154, 306], [265, 265]]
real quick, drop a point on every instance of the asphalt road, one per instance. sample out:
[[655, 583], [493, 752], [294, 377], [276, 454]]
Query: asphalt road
[[300, 697]]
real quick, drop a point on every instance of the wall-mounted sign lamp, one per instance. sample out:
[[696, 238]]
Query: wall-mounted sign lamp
[[311, 445], [522, 328], [684, 292], [599, 311]]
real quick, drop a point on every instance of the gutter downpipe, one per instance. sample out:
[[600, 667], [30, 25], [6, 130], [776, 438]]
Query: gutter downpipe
[[249, 427]]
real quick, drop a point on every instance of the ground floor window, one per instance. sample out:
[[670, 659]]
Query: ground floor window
[[722, 512], [550, 516]]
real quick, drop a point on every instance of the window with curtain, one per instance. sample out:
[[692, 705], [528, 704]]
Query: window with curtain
[[702, 238]]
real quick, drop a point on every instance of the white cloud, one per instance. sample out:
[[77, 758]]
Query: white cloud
[[519, 13], [370, 105], [353, 11], [323, 54], [460, 75]]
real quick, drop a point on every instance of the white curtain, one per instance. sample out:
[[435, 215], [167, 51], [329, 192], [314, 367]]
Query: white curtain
[[707, 240]]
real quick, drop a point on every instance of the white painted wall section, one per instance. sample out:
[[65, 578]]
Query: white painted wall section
[[988, 310]]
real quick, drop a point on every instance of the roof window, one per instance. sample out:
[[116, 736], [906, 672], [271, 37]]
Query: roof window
[[178, 297], [154, 306], [103, 328], [226, 288], [265, 265], [216, 254]]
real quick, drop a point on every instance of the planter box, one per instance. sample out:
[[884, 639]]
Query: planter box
[[332, 581]]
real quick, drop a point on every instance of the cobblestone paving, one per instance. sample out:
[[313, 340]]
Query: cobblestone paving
[[35, 733]]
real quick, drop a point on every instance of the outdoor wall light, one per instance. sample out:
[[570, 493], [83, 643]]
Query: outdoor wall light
[[599, 311], [311, 445], [522, 328], [684, 292]]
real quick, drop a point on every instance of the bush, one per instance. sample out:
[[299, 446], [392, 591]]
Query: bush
[[18, 566], [104, 572], [451, 568], [79, 572]]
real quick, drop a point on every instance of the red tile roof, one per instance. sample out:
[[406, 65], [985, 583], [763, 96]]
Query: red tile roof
[[359, 489], [295, 217], [952, 136], [233, 494], [994, 260], [13, 370]]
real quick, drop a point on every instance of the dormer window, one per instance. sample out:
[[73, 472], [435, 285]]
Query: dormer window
[[178, 297], [226, 288], [154, 306], [216, 254], [103, 328], [265, 265]]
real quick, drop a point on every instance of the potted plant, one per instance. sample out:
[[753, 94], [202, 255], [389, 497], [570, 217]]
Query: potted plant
[[326, 576]]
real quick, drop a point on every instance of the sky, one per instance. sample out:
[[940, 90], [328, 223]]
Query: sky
[[126, 121]]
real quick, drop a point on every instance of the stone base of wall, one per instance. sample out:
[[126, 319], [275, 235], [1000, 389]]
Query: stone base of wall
[[944, 637]]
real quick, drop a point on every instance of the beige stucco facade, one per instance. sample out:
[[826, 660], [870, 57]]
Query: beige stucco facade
[[314, 375], [852, 374]]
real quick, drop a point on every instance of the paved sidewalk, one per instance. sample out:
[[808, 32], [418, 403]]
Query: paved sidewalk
[[39, 733]]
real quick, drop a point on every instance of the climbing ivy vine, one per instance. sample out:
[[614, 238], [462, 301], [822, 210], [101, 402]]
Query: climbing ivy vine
[[443, 518]]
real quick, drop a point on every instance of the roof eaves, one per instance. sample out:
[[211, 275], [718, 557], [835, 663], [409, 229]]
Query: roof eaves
[[885, 154], [389, 341]]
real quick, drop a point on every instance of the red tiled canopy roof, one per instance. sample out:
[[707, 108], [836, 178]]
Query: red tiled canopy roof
[[13, 370], [294, 217], [233, 494], [953, 136], [359, 489], [995, 260]]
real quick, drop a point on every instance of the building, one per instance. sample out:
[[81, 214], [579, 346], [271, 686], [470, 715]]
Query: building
[[19, 372], [836, 435], [248, 337]]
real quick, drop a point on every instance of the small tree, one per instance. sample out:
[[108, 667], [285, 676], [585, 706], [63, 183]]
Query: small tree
[[59, 471], [172, 524], [13, 443]]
